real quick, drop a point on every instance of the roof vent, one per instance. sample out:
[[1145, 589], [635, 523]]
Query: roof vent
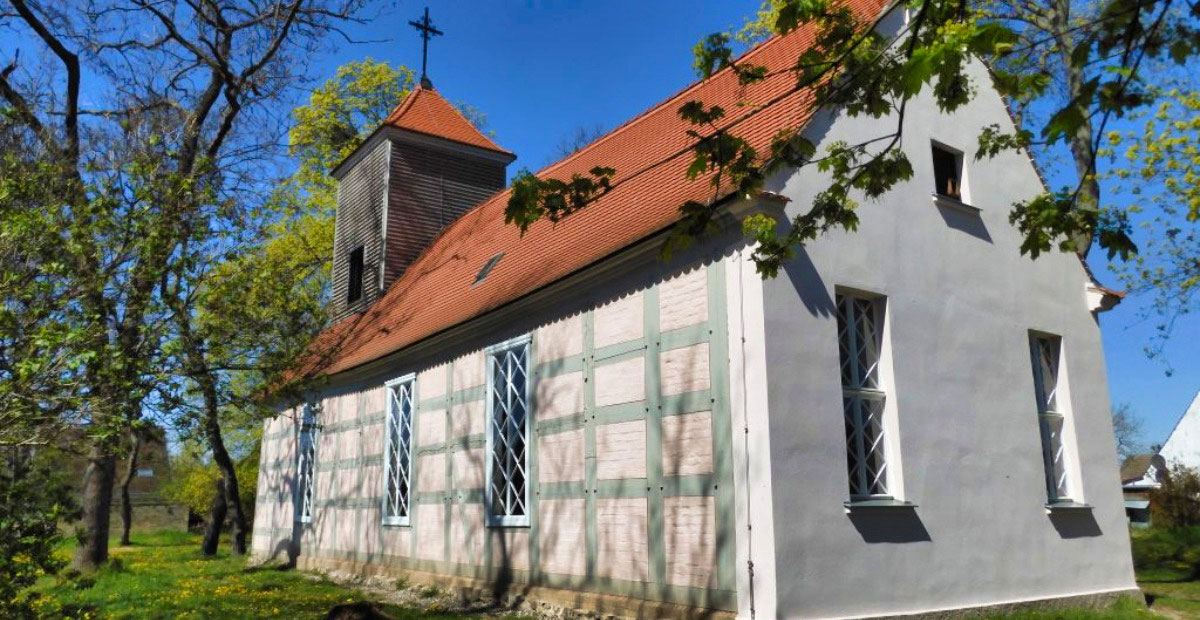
[[487, 267]]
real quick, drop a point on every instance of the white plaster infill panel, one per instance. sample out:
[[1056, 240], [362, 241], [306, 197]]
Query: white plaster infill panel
[[561, 457], [621, 382], [557, 340], [561, 540], [622, 540], [559, 396], [431, 383], [687, 444], [685, 369], [619, 320], [683, 300], [621, 450], [689, 540]]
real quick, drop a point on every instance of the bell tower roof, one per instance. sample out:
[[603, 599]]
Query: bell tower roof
[[425, 111]]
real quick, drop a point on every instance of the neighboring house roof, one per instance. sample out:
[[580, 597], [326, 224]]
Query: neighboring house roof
[[1134, 467], [425, 111], [650, 153], [1142, 472]]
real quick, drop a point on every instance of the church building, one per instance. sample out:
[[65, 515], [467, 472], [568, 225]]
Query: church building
[[911, 419]]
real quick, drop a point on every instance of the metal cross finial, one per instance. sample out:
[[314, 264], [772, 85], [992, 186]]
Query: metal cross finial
[[428, 31]]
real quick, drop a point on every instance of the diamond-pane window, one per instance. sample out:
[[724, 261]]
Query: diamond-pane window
[[1044, 351], [306, 465], [508, 432], [860, 337], [397, 454]]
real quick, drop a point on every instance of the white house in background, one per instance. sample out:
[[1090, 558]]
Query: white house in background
[[1183, 444], [911, 419]]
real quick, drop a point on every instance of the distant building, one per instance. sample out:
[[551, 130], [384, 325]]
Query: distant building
[[150, 510], [1140, 474]]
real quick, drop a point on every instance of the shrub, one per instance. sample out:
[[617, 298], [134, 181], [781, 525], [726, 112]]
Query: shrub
[[34, 499], [1176, 504]]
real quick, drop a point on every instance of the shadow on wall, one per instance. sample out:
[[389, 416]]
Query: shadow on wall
[[808, 283], [970, 223], [891, 526], [1075, 524]]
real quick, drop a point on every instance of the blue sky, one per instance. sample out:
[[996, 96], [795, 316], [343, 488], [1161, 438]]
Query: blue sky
[[539, 69]]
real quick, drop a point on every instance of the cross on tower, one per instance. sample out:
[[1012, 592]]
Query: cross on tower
[[427, 32]]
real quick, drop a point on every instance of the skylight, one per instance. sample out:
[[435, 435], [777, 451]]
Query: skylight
[[487, 267]]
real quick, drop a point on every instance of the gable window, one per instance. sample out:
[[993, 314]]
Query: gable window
[[306, 465], [397, 456], [507, 493], [354, 280], [860, 339], [1046, 352], [947, 172]]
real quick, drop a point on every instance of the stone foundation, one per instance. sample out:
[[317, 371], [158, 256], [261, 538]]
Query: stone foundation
[[544, 601]]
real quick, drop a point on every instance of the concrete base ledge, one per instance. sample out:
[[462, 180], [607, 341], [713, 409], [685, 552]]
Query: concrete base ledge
[[560, 602], [1094, 600]]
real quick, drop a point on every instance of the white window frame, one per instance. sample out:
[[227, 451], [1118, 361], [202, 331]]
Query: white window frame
[[403, 501], [1053, 408], [306, 468], [856, 392], [491, 353]]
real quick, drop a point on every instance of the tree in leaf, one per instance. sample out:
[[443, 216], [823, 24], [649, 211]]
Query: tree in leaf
[[1069, 69], [183, 126]]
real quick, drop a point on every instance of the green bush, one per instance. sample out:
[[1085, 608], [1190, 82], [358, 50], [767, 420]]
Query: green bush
[[1176, 503], [34, 500]]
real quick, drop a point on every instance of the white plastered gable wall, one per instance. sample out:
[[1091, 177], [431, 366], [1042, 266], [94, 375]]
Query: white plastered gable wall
[[961, 302], [1183, 445]]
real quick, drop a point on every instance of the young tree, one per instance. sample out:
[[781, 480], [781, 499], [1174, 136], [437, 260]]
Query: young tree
[[247, 302], [126, 185], [1083, 64], [1127, 430]]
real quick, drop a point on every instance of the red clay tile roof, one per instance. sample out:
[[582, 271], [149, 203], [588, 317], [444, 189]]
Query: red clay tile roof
[[425, 111], [650, 153]]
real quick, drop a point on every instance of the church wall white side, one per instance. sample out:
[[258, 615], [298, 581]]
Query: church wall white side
[[965, 446]]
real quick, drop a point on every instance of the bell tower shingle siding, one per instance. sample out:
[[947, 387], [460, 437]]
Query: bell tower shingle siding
[[421, 170]]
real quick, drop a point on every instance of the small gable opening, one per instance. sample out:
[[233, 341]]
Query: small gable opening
[[354, 282], [947, 171]]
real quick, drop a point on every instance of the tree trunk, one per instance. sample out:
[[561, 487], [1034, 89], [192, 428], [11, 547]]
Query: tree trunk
[[126, 504], [216, 443], [229, 477], [1083, 153], [92, 550], [216, 518]]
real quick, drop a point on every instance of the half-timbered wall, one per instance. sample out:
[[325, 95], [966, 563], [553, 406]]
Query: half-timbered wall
[[631, 483]]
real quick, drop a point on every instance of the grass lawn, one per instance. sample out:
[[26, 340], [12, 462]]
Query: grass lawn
[[1172, 592], [164, 575]]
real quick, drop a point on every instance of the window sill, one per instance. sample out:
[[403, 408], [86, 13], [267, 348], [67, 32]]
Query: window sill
[[1067, 507], [508, 522], [878, 505], [950, 202], [394, 522]]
